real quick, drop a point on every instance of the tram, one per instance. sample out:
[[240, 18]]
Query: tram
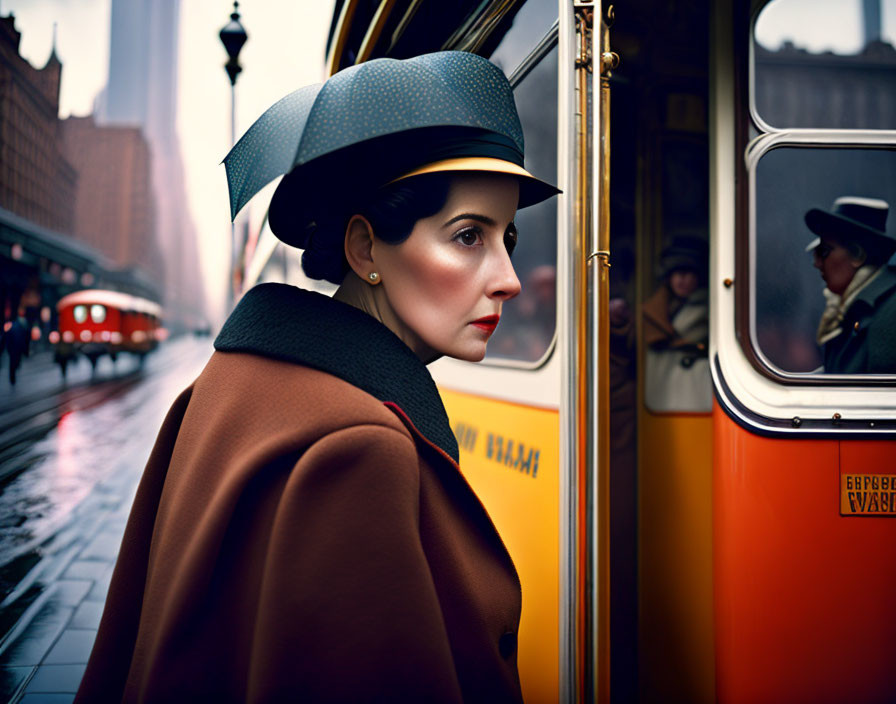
[[97, 322], [676, 544]]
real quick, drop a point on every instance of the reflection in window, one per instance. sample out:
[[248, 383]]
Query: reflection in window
[[530, 24], [80, 313], [528, 321], [675, 321], [826, 64], [794, 317]]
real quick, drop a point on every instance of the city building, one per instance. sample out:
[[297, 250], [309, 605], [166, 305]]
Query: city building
[[36, 181], [114, 206], [142, 91], [76, 201], [795, 87]]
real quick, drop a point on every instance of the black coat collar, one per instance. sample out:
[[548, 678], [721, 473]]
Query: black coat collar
[[293, 325]]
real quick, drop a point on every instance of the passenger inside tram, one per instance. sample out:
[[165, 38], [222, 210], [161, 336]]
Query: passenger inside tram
[[676, 330], [857, 330]]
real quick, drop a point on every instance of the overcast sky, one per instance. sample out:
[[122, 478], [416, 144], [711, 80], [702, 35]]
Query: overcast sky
[[820, 25], [285, 50]]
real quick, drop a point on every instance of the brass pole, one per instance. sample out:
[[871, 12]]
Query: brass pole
[[608, 61], [584, 550]]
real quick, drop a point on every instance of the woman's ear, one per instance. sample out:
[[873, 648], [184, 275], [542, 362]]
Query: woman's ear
[[359, 246]]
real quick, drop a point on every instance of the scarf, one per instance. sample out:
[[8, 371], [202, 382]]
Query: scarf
[[836, 305]]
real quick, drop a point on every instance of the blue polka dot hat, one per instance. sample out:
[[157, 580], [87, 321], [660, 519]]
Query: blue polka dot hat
[[374, 123]]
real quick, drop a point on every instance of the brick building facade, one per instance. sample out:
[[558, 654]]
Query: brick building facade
[[114, 206], [36, 181], [92, 183]]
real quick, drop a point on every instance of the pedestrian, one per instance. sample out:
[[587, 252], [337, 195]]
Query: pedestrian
[[857, 330], [676, 330], [16, 340], [302, 531]]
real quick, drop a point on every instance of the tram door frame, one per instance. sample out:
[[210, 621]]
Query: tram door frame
[[585, 378]]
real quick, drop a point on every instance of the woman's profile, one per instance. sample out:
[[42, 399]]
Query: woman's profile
[[302, 531]]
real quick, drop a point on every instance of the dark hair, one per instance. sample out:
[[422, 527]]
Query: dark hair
[[392, 212]]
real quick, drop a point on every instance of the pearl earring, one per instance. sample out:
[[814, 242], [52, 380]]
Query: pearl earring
[[373, 276]]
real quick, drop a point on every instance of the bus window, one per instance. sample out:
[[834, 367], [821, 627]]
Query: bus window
[[825, 64], [796, 314], [528, 321]]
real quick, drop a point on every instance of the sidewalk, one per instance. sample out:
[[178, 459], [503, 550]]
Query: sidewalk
[[42, 659]]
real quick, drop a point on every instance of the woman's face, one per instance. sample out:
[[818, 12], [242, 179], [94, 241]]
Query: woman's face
[[683, 282], [835, 263], [447, 282]]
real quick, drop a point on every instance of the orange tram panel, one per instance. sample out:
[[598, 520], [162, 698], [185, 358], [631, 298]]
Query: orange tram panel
[[805, 590]]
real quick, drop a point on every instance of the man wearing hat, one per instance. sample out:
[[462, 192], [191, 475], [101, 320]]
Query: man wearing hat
[[858, 326]]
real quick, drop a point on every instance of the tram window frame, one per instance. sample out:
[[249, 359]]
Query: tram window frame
[[764, 125], [753, 139], [514, 30], [746, 391], [548, 43]]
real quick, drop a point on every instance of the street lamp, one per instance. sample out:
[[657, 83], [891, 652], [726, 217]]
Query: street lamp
[[233, 36]]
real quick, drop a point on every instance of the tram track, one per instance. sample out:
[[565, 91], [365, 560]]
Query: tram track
[[24, 425], [33, 416]]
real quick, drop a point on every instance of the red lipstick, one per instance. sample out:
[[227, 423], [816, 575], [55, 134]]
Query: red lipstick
[[488, 323]]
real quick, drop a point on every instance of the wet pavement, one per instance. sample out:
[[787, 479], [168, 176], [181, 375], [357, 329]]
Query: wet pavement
[[65, 494]]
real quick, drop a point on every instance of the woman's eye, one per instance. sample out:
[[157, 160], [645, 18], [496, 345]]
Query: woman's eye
[[468, 237]]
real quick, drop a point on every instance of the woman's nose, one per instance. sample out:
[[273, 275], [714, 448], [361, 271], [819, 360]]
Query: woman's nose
[[504, 283]]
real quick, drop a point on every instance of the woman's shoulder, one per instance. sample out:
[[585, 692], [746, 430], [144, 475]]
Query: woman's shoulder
[[271, 397]]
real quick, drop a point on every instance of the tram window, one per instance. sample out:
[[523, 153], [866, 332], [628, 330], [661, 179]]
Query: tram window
[[792, 317], [80, 313], [98, 313], [826, 64], [675, 320], [530, 24], [528, 322]]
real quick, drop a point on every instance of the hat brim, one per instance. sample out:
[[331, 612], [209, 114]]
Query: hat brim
[[532, 190], [322, 186], [821, 222]]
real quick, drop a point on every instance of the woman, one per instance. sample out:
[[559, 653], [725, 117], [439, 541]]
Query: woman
[[857, 331], [302, 531], [676, 331]]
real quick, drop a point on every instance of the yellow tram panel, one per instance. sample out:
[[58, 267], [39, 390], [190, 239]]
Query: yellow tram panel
[[510, 455], [675, 557]]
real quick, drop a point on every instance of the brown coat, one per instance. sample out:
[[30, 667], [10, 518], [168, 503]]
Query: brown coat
[[298, 538]]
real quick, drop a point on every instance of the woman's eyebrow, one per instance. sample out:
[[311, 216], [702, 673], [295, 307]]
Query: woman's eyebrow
[[484, 219]]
